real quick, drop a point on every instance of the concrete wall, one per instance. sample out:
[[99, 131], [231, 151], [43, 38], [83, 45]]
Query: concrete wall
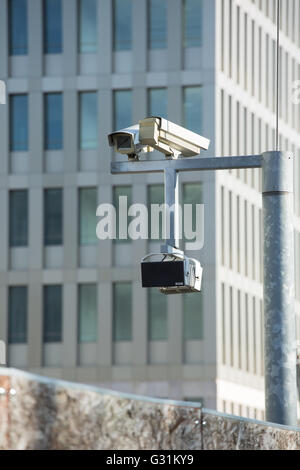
[[41, 413]]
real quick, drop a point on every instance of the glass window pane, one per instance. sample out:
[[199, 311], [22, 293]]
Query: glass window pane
[[192, 194], [122, 25], [88, 313], [193, 23], [18, 123], [17, 317], [193, 316], [52, 314], [53, 217], [88, 26], [158, 326], [193, 108], [119, 191], [88, 219], [157, 24], [52, 27], [158, 102], [88, 120], [122, 328], [122, 109], [18, 218], [53, 121], [18, 27], [155, 196]]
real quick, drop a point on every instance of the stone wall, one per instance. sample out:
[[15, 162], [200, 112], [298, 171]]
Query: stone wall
[[41, 413]]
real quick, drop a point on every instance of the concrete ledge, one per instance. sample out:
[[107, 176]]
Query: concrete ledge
[[41, 413]]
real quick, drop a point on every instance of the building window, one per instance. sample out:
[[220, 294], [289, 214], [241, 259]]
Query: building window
[[88, 26], [52, 27], [157, 24], [87, 313], [193, 316], [18, 123], [157, 316], [122, 25], [192, 194], [155, 196], [118, 192], [193, 108], [87, 215], [53, 217], [192, 23], [122, 109], [18, 218], [18, 27], [122, 318], [157, 104], [53, 121], [17, 316], [88, 120], [52, 314]]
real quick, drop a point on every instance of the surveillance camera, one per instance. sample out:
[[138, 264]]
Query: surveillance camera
[[171, 273], [170, 139], [126, 141]]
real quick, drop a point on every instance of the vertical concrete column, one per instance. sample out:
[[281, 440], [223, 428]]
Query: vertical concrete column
[[69, 325], [234, 42], [4, 319], [105, 318], [244, 352], [36, 132], [175, 99], [208, 257], [105, 123], [105, 37], [105, 292], [226, 37], [35, 322], [35, 38], [4, 142], [4, 41], [4, 232], [242, 48], [36, 227], [139, 97], [139, 35], [175, 15], [139, 295], [70, 37], [70, 227], [70, 126]]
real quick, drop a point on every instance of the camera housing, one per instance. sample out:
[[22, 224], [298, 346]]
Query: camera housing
[[159, 134], [127, 142], [171, 273], [171, 139]]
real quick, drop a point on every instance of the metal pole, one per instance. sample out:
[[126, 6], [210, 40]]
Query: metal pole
[[171, 202], [279, 311]]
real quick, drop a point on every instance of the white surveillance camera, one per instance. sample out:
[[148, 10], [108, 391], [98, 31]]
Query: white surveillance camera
[[126, 141], [171, 139], [171, 273]]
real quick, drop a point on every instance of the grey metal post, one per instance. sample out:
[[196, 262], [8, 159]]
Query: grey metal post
[[171, 201], [279, 311]]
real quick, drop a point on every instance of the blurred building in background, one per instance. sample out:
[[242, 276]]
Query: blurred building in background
[[72, 306]]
